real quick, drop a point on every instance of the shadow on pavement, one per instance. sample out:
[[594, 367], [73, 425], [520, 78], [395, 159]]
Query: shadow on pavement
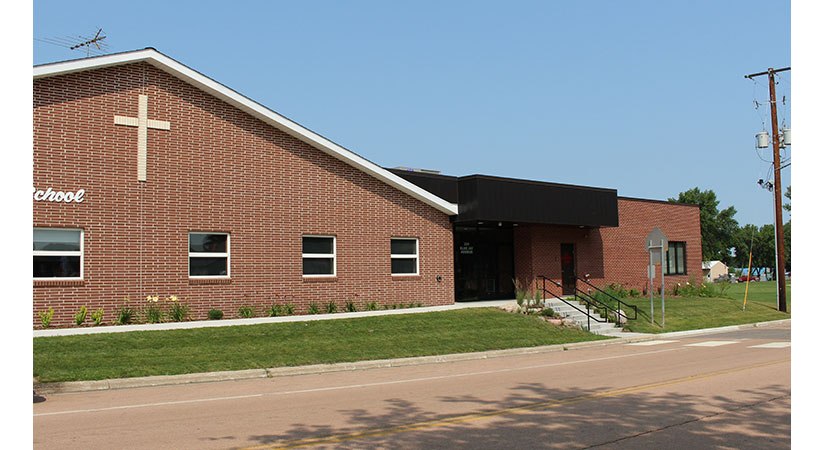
[[545, 417]]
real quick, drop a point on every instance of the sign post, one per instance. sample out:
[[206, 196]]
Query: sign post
[[656, 244]]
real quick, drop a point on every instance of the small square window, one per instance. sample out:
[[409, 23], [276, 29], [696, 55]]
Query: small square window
[[404, 256], [208, 254], [58, 253], [318, 254]]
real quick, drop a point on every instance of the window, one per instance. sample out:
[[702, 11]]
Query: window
[[58, 253], [318, 254], [404, 256], [675, 259], [208, 254]]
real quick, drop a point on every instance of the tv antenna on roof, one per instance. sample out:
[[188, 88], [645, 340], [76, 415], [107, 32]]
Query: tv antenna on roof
[[92, 44]]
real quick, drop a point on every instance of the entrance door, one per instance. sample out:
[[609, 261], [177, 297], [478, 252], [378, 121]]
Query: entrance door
[[483, 263], [568, 269]]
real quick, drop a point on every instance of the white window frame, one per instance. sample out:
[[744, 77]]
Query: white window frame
[[192, 254], [61, 253], [333, 255], [405, 256]]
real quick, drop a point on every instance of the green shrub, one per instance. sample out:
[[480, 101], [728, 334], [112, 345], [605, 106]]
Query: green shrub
[[125, 315], [276, 310], [178, 312], [289, 309], [214, 314], [331, 307], [97, 316], [46, 317], [548, 312], [521, 292], [313, 308], [372, 306], [80, 316], [246, 311], [350, 307], [722, 287], [153, 311]]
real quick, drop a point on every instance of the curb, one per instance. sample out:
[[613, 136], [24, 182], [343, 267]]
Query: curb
[[238, 375]]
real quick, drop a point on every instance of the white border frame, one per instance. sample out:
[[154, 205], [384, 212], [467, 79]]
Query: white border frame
[[209, 255], [80, 253], [333, 255], [416, 256]]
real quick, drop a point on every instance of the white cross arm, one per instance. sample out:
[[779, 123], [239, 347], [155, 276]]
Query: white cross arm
[[158, 124], [150, 123]]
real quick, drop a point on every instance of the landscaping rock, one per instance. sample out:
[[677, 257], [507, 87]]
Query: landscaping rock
[[621, 318], [510, 308], [570, 323]]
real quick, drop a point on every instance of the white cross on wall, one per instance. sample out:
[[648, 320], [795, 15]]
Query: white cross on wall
[[143, 123]]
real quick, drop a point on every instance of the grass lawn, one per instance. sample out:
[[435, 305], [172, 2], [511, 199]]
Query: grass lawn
[[145, 353], [689, 313]]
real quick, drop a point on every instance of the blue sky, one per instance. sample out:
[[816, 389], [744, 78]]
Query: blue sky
[[646, 97]]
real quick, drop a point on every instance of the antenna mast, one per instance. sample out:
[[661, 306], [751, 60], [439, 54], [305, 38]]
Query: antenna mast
[[92, 44]]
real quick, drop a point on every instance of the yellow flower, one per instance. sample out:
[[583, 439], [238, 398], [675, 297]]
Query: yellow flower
[[155, 299], [174, 298], [148, 298]]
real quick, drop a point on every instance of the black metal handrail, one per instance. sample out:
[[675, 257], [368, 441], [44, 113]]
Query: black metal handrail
[[589, 303], [618, 311]]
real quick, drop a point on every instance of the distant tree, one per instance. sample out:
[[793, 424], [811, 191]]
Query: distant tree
[[760, 241], [764, 246], [787, 206], [719, 228]]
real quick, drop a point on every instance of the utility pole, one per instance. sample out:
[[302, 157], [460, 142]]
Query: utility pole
[[777, 191]]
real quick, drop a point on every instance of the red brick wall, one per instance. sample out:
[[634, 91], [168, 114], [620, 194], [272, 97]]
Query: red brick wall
[[217, 169], [612, 255]]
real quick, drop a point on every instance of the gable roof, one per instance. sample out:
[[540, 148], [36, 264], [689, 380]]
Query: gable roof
[[212, 87]]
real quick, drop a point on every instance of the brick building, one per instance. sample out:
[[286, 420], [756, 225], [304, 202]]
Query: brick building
[[152, 179]]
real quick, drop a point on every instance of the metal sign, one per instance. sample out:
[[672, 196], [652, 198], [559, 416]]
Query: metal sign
[[656, 245], [655, 239]]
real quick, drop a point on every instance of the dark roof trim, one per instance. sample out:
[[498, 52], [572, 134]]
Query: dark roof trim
[[636, 199]]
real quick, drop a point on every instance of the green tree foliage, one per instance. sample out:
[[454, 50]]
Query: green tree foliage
[[719, 228], [764, 250], [787, 206]]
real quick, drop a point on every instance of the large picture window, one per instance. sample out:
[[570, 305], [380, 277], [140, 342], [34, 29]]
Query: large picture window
[[58, 253], [208, 254], [675, 259], [318, 254], [404, 256]]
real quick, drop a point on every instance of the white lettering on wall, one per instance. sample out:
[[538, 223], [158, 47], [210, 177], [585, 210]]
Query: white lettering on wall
[[50, 195]]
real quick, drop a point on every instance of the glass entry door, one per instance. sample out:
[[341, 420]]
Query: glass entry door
[[483, 263], [568, 269]]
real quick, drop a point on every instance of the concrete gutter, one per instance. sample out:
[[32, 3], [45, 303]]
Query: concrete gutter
[[171, 380]]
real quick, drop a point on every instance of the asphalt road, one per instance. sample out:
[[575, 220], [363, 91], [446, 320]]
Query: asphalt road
[[727, 390]]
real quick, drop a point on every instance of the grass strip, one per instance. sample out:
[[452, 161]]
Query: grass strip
[[171, 352], [692, 313]]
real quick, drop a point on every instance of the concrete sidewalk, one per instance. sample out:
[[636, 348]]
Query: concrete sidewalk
[[167, 380], [260, 320]]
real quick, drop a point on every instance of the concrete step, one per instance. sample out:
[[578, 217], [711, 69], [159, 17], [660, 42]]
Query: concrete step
[[604, 328]]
